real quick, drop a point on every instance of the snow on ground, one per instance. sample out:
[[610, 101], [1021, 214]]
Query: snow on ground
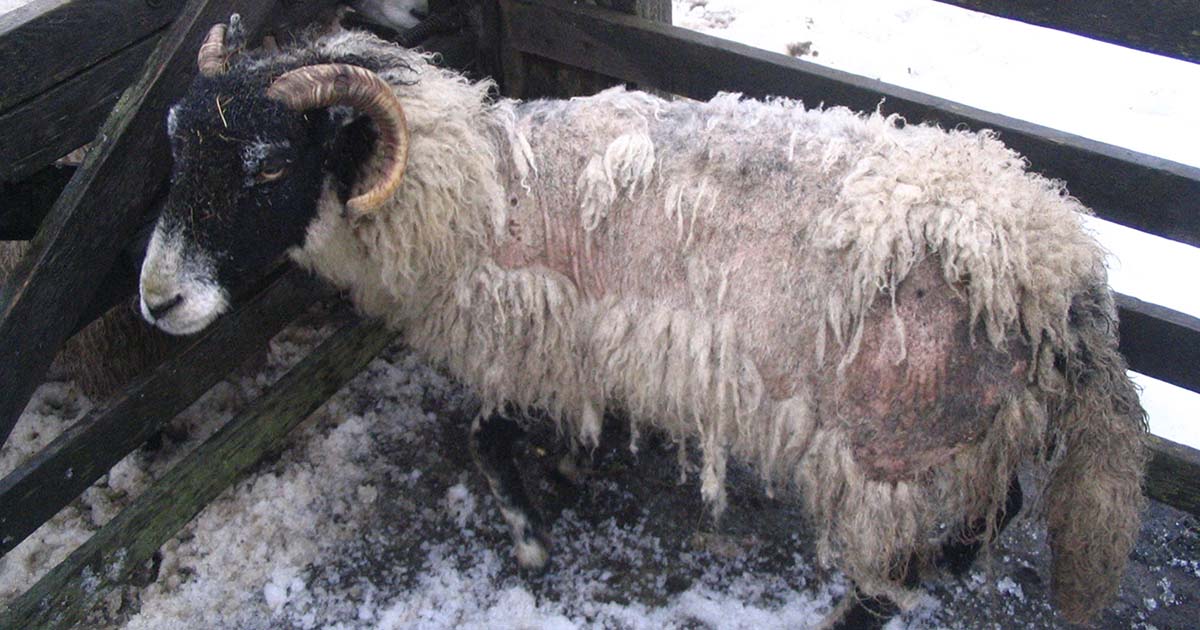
[[9, 5], [1115, 95]]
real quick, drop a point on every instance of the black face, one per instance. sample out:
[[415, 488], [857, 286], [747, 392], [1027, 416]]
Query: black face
[[247, 177]]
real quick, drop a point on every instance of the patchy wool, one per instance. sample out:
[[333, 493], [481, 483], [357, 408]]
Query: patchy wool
[[730, 271]]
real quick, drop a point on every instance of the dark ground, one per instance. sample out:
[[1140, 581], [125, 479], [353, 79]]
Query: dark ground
[[669, 544]]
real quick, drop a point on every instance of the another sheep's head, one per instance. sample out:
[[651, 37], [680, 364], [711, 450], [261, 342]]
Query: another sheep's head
[[253, 153]]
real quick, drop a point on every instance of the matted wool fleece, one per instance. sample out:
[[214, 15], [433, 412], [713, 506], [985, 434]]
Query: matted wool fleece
[[706, 265]]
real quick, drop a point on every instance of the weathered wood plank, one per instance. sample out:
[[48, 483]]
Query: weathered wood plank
[[48, 41], [1163, 27], [1173, 475], [53, 123], [532, 76], [1160, 342], [1144, 192], [123, 545], [51, 479], [99, 209]]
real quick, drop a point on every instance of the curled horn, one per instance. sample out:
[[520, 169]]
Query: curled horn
[[213, 55], [326, 85]]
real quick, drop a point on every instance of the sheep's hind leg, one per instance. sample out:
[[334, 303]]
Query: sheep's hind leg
[[959, 554], [492, 444], [859, 611]]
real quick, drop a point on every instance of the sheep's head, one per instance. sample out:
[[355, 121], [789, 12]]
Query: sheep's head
[[254, 151]]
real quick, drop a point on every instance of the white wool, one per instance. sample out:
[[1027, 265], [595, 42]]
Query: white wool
[[701, 265]]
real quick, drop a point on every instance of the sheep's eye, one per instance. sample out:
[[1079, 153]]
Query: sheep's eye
[[270, 173]]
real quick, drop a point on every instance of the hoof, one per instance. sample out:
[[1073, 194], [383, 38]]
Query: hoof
[[532, 554], [858, 611], [569, 470]]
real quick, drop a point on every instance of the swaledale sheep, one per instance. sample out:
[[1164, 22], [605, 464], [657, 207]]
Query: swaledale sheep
[[886, 320]]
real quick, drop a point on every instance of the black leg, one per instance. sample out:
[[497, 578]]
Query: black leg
[[865, 612], [573, 467], [959, 554], [492, 446]]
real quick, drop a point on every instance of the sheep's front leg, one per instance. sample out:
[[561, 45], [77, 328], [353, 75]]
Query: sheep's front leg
[[959, 554], [492, 446]]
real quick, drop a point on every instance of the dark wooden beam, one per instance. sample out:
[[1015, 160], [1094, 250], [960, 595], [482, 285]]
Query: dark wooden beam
[[128, 541], [46, 42], [52, 478], [99, 209], [1173, 475], [1160, 342], [532, 76], [1141, 191], [1163, 27], [55, 122]]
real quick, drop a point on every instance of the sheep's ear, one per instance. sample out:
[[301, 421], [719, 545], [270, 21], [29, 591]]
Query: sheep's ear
[[349, 144]]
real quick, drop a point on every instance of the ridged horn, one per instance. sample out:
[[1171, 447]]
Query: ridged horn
[[212, 56], [326, 85]]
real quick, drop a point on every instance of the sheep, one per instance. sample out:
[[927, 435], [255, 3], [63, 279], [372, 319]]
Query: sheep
[[888, 321], [107, 353]]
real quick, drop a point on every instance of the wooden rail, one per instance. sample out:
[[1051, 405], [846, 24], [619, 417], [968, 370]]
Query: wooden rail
[[1173, 475], [52, 478], [1160, 342], [31, 38], [52, 101], [122, 546], [53, 123], [1163, 27]]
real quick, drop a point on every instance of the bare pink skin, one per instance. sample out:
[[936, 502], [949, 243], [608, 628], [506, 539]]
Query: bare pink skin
[[919, 412]]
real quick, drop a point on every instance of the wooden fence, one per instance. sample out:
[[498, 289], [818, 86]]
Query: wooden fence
[[84, 222]]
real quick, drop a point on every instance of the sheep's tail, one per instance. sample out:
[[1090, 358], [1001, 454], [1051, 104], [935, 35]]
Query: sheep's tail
[[1094, 499]]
